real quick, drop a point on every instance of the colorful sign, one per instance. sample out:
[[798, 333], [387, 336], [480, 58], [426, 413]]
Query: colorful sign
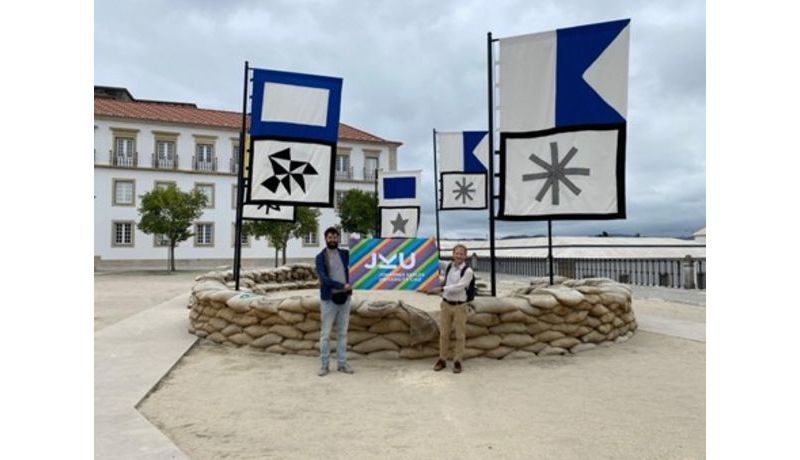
[[394, 263]]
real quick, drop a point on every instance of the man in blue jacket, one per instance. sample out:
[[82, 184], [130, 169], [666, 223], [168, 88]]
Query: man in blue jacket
[[334, 292]]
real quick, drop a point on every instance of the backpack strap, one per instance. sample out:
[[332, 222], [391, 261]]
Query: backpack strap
[[447, 272]]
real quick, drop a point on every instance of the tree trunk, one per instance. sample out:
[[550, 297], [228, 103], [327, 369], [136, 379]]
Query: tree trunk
[[284, 254], [172, 256], [276, 257]]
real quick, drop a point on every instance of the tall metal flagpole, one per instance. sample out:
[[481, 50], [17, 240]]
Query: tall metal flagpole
[[237, 252], [436, 189], [377, 208], [490, 64], [550, 248]]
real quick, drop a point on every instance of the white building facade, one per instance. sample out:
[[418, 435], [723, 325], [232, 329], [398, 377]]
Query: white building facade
[[140, 145]]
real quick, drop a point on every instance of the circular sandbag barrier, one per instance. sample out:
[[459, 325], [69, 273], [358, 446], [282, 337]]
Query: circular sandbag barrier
[[567, 317]]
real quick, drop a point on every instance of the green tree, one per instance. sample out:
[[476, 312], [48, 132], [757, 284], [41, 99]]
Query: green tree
[[357, 212], [278, 233], [170, 213]]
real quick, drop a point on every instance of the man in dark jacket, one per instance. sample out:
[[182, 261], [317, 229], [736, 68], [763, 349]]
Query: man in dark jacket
[[334, 292]]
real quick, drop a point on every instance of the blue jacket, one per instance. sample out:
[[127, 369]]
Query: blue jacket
[[326, 284]]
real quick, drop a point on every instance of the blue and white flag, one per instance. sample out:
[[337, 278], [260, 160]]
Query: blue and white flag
[[295, 106], [465, 151], [565, 77], [562, 120], [399, 188]]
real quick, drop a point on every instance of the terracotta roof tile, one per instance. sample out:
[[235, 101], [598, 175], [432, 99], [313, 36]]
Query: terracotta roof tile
[[190, 114]]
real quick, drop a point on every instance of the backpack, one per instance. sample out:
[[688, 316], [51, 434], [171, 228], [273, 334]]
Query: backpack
[[470, 289]]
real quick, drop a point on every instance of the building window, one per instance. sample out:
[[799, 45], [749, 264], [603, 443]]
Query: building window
[[124, 146], [164, 184], [165, 155], [343, 166], [343, 238], [235, 157], [339, 196], [208, 191], [245, 236], [124, 192], [204, 234], [370, 168], [233, 196], [311, 239], [122, 234], [160, 241]]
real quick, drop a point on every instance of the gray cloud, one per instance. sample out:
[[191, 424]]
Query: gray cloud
[[413, 66]]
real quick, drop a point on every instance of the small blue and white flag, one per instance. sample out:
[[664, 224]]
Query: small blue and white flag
[[399, 188], [564, 77], [562, 120], [465, 151], [295, 106]]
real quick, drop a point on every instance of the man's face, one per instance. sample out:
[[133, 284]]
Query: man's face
[[332, 240], [459, 254]]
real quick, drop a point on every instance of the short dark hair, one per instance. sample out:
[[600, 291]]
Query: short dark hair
[[333, 230]]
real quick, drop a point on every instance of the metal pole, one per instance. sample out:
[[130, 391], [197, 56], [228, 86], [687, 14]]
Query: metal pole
[[377, 208], [436, 189], [237, 251], [550, 248], [490, 64]]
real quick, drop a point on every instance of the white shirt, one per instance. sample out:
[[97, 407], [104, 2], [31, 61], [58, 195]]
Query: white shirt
[[455, 287]]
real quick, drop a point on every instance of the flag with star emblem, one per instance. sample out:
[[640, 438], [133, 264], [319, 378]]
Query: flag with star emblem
[[399, 222], [562, 123]]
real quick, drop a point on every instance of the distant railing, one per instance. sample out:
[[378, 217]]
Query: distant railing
[[370, 174], [687, 272], [130, 161], [346, 174], [200, 165], [164, 163]]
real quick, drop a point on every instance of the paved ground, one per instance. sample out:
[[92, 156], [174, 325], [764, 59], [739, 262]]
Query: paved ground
[[641, 399]]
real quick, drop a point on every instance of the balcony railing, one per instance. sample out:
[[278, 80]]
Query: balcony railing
[[164, 163], [204, 165], [346, 174], [130, 161], [370, 174]]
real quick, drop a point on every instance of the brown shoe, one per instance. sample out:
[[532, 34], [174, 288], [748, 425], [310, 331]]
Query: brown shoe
[[457, 367], [441, 364]]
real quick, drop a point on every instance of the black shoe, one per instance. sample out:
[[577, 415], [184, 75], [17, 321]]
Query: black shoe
[[441, 364], [457, 367]]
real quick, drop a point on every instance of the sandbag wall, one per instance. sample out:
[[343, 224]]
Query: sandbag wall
[[571, 316]]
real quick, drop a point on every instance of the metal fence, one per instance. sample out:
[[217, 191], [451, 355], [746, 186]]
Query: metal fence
[[675, 273]]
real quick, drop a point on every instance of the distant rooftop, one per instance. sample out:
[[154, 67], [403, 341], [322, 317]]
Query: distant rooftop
[[110, 101]]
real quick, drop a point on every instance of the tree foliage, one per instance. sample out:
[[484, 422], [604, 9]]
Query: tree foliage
[[357, 212], [170, 212], [278, 233]]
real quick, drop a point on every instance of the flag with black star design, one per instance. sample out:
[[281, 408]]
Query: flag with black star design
[[399, 222]]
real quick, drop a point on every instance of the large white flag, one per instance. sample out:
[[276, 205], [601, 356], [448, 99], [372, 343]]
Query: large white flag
[[399, 222], [563, 108], [264, 211]]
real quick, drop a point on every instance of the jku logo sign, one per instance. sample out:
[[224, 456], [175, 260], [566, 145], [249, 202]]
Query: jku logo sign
[[389, 264]]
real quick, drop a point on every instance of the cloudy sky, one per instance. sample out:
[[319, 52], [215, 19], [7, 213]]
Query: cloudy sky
[[412, 66]]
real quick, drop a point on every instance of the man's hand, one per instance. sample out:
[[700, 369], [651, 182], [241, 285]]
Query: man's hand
[[347, 287], [436, 290]]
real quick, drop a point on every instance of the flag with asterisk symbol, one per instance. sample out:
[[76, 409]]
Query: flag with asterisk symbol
[[562, 123], [463, 160], [399, 222]]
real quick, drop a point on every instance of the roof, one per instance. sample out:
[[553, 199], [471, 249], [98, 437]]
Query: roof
[[701, 232], [587, 247], [183, 113]]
